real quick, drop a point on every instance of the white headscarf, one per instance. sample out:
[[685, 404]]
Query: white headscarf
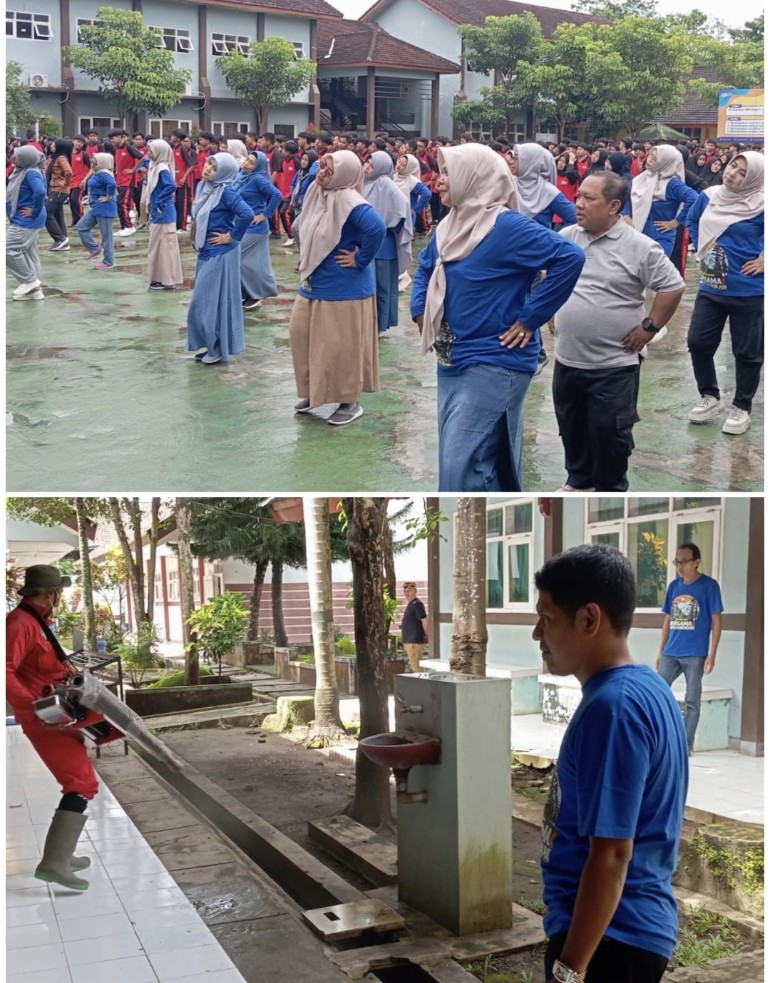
[[209, 193], [410, 177], [727, 205], [536, 180], [239, 150], [325, 210], [161, 159], [480, 188], [390, 204], [25, 159], [651, 185]]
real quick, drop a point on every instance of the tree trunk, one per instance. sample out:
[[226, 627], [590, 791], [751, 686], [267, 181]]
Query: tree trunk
[[260, 569], [89, 614], [187, 592], [279, 626], [367, 520], [135, 570], [154, 537], [327, 726], [388, 567], [469, 608]]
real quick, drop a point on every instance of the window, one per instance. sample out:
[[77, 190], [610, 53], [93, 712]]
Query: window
[[158, 587], [299, 49], [509, 555], [222, 44], [34, 27], [83, 22], [648, 531], [284, 130], [102, 124], [173, 585], [163, 127], [173, 38], [228, 129]]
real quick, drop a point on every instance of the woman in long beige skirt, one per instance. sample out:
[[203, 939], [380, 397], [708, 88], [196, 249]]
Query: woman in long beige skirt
[[164, 266], [333, 326]]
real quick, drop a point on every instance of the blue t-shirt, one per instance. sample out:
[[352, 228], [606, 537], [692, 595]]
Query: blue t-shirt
[[690, 607], [492, 287], [330, 281], [678, 201], [162, 208], [31, 195], [720, 268], [102, 185], [621, 774], [560, 206], [263, 198]]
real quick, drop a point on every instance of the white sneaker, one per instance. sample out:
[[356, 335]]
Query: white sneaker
[[121, 234], [26, 288], [403, 282], [738, 421], [129, 232], [705, 409], [287, 244], [661, 333], [37, 295], [181, 232]]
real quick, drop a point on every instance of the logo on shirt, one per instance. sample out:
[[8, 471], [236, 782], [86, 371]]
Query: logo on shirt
[[684, 612], [551, 817], [714, 268]]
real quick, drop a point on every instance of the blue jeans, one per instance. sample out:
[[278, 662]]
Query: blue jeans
[[671, 667], [480, 428], [83, 228]]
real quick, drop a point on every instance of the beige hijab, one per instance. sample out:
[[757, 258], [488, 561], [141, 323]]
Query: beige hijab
[[651, 186], [727, 206], [405, 182], [325, 211], [239, 150], [161, 159], [480, 188]]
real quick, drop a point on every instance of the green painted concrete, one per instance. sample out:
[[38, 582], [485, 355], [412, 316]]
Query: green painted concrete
[[101, 396]]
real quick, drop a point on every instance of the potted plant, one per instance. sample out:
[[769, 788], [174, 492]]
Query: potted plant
[[218, 625]]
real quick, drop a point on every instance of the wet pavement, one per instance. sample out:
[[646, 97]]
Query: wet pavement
[[102, 396]]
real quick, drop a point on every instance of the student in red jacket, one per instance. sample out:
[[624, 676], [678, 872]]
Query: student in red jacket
[[206, 145], [126, 160], [289, 166], [184, 163], [81, 168]]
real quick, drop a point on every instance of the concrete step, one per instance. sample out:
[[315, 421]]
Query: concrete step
[[373, 856], [240, 715]]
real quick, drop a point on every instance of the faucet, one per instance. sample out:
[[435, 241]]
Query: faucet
[[405, 708]]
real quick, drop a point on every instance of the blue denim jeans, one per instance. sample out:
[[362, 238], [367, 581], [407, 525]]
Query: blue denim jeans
[[671, 667], [84, 226], [480, 428]]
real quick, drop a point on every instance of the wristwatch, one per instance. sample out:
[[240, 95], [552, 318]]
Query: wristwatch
[[564, 974], [649, 326]]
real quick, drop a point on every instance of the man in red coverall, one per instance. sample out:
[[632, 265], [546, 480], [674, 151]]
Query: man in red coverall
[[34, 659]]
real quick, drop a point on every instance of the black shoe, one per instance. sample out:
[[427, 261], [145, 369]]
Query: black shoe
[[156, 285], [303, 406], [251, 305], [346, 413]]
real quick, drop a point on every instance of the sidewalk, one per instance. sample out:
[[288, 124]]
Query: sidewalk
[[123, 406]]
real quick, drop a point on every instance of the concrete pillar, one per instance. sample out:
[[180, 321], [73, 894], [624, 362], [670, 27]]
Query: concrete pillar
[[434, 87], [371, 121], [454, 850]]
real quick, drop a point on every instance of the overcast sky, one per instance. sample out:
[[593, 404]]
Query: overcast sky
[[735, 15]]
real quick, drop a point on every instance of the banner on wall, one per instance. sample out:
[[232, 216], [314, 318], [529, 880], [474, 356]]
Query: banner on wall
[[741, 116]]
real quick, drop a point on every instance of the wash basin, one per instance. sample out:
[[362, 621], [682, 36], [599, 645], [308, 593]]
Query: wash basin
[[401, 751]]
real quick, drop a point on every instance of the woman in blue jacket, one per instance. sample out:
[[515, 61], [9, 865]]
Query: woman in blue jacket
[[660, 198], [103, 195], [726, 226], [164, 265], [221, 216], [407, 178], [25, 209], [473, 302], [300, 184], [262, 197], [333, 326]]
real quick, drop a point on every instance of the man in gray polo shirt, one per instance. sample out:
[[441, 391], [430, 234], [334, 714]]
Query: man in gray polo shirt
[[601, 333]]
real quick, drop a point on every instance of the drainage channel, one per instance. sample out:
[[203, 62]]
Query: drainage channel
[[307, 881]]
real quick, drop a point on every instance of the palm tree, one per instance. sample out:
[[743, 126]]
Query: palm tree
[[469, 607]]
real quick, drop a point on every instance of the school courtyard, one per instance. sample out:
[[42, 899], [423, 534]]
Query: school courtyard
[[101, 394]]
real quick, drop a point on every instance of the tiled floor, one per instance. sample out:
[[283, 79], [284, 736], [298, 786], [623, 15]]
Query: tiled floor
[[133, 924]]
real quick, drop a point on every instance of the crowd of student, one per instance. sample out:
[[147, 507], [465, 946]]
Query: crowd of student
[[355, 204]]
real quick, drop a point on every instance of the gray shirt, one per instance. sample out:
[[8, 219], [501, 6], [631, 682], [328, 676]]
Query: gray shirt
[[608, 299]]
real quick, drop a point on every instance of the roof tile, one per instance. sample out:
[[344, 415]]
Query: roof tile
[[353, 42], [476, 11]]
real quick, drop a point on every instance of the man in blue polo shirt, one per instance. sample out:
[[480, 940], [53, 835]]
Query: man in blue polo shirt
[[691, 631]]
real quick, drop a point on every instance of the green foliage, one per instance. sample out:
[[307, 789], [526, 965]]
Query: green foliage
[[122, 55], [538, 907], [138, 653], [705, 936], [19, 113], [269, 77], [49, 126], [345, 644], [176, 678], [424, 528], [218, 625], [651, 569], [612, 10]]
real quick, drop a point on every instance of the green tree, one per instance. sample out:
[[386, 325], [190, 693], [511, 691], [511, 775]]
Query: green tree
[[613, 10], [123, 56], [218, 625], [19, 113], [738, 62], [269, 77]]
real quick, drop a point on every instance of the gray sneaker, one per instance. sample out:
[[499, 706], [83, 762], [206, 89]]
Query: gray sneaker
[[303, 406], [705, 409], [738, 421], [345, 413]]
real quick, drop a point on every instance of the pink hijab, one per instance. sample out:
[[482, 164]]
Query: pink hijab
[[325, 211], [481, 186]]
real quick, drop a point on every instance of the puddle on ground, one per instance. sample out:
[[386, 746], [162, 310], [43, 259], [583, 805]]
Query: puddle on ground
[[35, 352]]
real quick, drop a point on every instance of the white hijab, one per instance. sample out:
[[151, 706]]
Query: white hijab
[[480, 188], [325, 210], [536, 180], [411, 176], [161, 159], [727, 206], [651, 185]]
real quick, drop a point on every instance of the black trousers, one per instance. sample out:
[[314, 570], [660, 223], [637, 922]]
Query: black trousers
[[125, 201], [182, 206], [747, 327], [55, 222], [596, 413], [75, 207], [613, 962]]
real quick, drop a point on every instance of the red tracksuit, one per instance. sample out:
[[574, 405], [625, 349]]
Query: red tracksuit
[[125, 162], [31, 664]]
